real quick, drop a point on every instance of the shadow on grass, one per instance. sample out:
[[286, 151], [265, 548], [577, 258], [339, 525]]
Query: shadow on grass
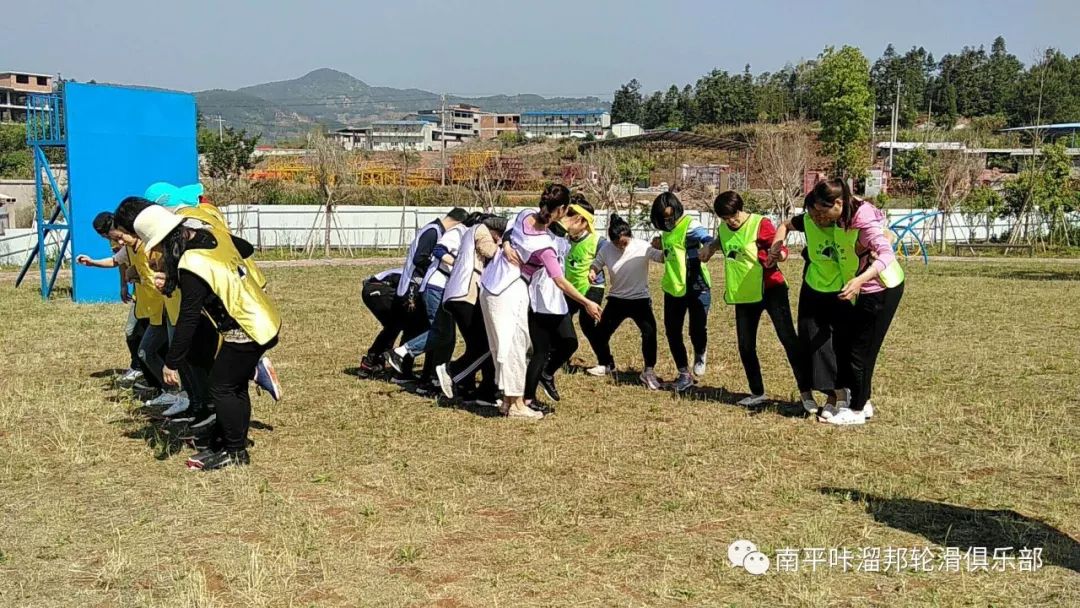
[[108, 373], [722, 395], [1040, 275], [955, 526], [164, 439], [482, 411]]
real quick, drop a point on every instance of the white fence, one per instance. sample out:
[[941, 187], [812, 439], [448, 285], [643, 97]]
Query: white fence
[[378, 227]]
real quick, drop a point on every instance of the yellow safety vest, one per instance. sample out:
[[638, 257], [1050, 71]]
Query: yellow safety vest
[[226, 273], [149, 302]]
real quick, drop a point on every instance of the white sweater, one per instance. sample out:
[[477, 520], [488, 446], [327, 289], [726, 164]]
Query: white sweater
[[628, 269]]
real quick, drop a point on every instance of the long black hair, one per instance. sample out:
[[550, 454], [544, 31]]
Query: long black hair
[[827, 191], [172, 248], [127, 211], [553, 197], [495, 224], [656, 214], [618, 228]]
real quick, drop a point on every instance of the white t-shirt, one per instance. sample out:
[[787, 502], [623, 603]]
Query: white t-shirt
[[628, 269], [121, 256]]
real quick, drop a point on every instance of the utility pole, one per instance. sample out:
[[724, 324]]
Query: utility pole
[[895, 125], [220, 131], [443, 138]]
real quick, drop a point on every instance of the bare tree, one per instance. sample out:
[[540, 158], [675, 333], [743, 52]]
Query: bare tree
[[601, 179], [489, 182], [783, 153], [330, 171], [407, 158], [953, 174]]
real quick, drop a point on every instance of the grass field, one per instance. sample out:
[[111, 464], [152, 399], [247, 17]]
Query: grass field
[[362, 495]]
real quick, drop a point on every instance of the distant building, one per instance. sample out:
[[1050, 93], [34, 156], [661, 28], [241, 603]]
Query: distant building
[[566, 123], [352, 138], [419, 135], [14, 87], [493, 125], [462, 121], [626, 129]]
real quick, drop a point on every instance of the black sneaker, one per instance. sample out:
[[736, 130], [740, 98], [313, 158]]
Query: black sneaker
[[548, 384], [396, 361], [427, 389], [371, 366], [543, 408], [211, 460]]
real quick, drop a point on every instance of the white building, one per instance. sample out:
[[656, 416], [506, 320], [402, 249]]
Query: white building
[[352, 138], [626, 129], [419, 135]]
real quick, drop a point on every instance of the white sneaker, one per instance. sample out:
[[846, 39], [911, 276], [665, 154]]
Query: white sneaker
[[868, 410], [600, 370], [810, 405], [523, 411], [753, 400], [446, 383], [847, 417], [130, 376], [649, 379], [829, 411], [164, 399], [180, 405], [699, 364]]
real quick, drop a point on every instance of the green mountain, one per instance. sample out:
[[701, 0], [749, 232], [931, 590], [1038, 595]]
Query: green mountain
[[334, 99]]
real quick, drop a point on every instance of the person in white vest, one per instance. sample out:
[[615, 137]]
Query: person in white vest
[[418, 261], [505, 297], [460, 299]]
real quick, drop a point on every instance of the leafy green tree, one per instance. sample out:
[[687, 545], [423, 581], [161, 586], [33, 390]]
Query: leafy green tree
[[1004, 75], [1049, 92], [912, 71], [653, 112], [913, 167], [673, 115], [626, 105], [841, 91], [16, 159], [229, 156], [1045, 188]]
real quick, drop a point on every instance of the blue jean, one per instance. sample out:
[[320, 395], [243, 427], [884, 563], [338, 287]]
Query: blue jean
[[432, 303], [675, 309]]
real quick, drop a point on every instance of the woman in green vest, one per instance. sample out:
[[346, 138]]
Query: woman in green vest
[[753, 284], [213, 280], [579, 223], [686, 284], [852, 290]]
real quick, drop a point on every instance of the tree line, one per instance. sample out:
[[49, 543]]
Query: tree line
[[970, 83]]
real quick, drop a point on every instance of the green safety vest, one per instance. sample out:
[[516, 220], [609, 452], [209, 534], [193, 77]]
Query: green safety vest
[[744, 276], [578, 261], [674, 243], [833, 261]]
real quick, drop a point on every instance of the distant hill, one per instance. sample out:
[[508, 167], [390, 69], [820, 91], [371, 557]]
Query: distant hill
[[333, 99]]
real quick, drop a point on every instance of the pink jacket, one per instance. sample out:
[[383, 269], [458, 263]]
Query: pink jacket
[[871, 223]]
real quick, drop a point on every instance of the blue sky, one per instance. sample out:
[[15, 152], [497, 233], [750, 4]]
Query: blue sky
[[555, 47]]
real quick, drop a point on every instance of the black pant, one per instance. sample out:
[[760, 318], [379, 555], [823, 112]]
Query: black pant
[[588, 325], [860, 338], [229, 379], [615, 312], [553, 341], [820, 317], [675, 310], [774, 301], [391, 313], [440, 345], [198, 365], [477, 356], [133, 341]]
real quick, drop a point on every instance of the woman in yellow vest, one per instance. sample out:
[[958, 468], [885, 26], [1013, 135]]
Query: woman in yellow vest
[[686, 284], [753, 284], [853, 286], [213, 279]]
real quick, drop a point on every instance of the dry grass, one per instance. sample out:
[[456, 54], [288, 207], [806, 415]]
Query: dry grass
[[360, 494]]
